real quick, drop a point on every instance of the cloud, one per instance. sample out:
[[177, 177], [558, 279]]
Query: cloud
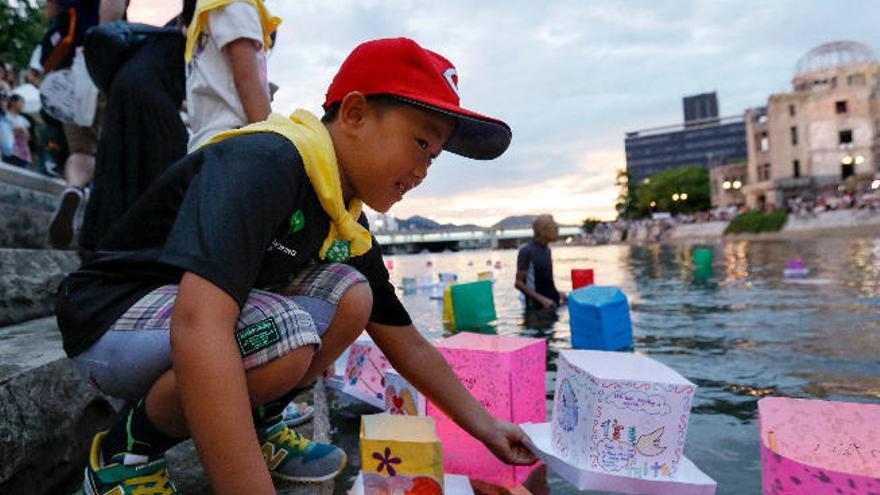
[[570, 77]]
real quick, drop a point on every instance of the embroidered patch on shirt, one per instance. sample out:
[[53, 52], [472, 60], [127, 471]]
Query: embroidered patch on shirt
[[297, 221], [339, 251], [258, 336]]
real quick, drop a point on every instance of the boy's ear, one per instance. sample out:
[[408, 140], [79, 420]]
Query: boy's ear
[[353, 110]]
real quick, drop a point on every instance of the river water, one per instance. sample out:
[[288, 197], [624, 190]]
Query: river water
[[743, 333]]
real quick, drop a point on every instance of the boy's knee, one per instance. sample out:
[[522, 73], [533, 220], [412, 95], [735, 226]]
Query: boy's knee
[[277, 377], [357, 302]]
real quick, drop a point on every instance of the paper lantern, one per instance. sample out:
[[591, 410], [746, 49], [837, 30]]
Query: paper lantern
[[401, 397], [506, 374], [687, 480], [448, 311], [400, 454], [620, 413], [364, 376], [581, 277], [453, 484], [599, 318], [816, 446], [473, 304]]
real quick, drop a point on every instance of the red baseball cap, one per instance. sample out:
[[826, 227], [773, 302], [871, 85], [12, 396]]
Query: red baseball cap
[[402, 68]]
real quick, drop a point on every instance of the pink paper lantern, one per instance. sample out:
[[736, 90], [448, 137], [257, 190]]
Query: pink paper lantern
[[506, 374], [364, 376], [815, 446]]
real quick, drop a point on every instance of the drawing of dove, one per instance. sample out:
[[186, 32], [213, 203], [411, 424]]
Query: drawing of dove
[[649, 445]]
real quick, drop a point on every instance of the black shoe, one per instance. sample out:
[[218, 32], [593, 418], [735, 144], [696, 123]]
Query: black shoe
[[61, 228]]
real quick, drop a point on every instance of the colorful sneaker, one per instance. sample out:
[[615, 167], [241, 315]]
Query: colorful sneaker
[[297, 413], [292, 457], [126, 474]]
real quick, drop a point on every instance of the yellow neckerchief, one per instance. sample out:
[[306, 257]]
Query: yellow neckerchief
[[315, 147], [200, 22]]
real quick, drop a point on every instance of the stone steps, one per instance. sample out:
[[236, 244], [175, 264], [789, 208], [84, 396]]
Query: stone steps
[[28, 279], [48, 413], [27, 201]]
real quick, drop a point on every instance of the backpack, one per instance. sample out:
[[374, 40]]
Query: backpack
[[108, 46]]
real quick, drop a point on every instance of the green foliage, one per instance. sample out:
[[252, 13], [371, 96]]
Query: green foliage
[[627, 205], [21, 28], [692, 181], [756, 221], [589, 224]]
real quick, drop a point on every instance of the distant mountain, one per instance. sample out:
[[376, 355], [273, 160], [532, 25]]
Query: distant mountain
[[422, 223], [515, 222], [417, 223]]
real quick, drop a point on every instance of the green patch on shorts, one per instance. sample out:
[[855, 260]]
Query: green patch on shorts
[[258, 336]]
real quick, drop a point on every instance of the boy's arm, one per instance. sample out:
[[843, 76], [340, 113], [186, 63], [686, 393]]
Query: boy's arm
[[423, 366], [212, 388], [254, 96]]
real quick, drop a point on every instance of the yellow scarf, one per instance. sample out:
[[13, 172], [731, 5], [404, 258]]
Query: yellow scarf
[[315, 147], [200, 22]]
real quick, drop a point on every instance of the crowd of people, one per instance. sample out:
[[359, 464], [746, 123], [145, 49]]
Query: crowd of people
[[844, 200]]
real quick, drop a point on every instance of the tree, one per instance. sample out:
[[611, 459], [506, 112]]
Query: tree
[[21, 28], [679, 190], [589, 224], [627, 205]]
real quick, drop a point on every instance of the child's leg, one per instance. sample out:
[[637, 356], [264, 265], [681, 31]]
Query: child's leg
[[348, 323], [338, 306], [265, 384], [316, 290]]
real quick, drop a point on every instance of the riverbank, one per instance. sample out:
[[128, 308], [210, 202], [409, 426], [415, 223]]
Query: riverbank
[[842, 221]]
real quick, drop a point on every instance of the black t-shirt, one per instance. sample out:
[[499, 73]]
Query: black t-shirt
[[536, 260], [241, 213]]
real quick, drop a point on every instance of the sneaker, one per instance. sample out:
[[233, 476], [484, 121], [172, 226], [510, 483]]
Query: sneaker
[[297, 413], [292, 457], [126, 474], [61, 229]]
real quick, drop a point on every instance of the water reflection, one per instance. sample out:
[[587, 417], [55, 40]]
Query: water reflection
[[740, 331]]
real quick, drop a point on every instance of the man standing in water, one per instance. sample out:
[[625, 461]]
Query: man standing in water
[[534, 266]]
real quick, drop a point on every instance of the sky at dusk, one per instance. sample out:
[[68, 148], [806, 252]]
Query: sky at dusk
[[569, 77]]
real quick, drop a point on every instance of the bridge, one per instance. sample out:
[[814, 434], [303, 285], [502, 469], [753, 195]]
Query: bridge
[[439, 240]]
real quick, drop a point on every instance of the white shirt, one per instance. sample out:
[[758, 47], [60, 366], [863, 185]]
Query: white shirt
[[212, 101]]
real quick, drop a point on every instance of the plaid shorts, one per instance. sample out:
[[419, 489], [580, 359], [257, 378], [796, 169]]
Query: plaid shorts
[[136, 349]]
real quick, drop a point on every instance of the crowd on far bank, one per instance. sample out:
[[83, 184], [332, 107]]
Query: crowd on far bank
[[811, 207], [659, 227]]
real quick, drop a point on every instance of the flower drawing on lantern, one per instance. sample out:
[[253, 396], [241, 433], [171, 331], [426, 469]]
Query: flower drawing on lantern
[[386, 461]]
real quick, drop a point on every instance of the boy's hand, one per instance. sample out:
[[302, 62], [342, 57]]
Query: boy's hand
[[507, 441]]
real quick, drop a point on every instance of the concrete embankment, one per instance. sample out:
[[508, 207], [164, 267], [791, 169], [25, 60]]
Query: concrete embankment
[[829, 221]]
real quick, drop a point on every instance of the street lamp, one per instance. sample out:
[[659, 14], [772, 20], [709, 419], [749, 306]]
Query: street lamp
[[684, 196], [726, 184], [737, 184], [675, 197]]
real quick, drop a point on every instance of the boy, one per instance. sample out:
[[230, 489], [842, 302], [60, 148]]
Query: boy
[[534, 266], [205, 303], [226, 80]]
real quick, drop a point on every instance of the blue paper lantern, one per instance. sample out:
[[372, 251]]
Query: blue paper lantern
[[599, 318]]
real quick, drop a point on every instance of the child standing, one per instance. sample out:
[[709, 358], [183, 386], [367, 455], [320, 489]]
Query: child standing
[[226, 82], [248, 268]]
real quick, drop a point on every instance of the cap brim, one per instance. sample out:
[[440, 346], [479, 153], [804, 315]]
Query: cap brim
[[475, 136]]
